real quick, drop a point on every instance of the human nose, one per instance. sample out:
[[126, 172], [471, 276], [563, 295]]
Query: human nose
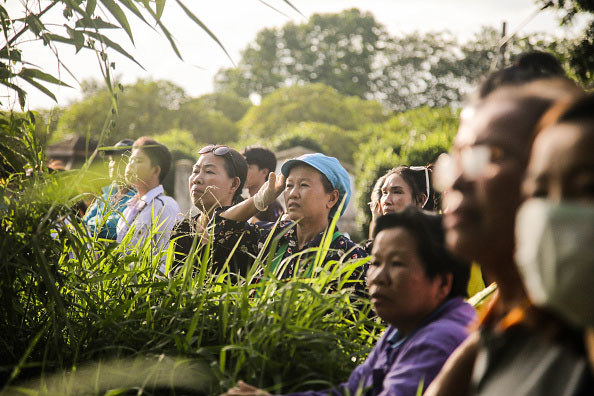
[[377, 275]]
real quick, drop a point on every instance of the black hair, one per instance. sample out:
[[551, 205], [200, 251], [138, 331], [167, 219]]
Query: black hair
[[427, 229], [260, 156], [529, 66], [580, 110], [157, 153], [416, 180], [236, 166]]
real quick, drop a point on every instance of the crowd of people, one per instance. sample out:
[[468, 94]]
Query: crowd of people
[[515, 196]]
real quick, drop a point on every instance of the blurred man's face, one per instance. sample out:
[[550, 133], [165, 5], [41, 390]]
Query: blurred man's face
[[117, 166], [490, 151]]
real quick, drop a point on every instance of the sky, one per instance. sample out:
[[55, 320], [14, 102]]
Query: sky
[[236, 23]]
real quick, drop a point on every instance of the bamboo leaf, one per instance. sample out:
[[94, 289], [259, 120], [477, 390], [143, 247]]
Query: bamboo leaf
[[160, 7], [38, 74], [163, 28], [203, 26], [113, 45], [95, 23], [293, 7], [40, 87], [22, 95], [77, 37], [117, 12], [132, 7], [91, 4]]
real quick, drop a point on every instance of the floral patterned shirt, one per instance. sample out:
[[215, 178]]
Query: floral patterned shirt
[[227, 232]]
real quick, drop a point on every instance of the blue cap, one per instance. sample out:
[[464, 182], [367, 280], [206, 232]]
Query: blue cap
[[329, 167]]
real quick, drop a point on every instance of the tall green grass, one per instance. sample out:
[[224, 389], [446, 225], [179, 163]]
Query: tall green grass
[[71, 304]]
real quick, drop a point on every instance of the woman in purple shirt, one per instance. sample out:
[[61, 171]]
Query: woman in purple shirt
[[417, 287]]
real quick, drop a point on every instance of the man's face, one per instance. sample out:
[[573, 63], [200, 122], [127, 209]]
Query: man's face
[[256, 177], [139, 169], [490, 150], [117, 166]]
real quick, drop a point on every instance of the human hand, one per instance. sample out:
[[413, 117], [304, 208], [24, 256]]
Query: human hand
[[243, 389], [266, 195]]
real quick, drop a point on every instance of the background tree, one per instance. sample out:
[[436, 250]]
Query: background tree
[[338, 50], [581, 52], [315, 103], [328, 139], [228, 103], [352, 53], [144, 108]]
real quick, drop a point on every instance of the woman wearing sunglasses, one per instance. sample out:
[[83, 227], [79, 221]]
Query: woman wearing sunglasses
[[216, 181], [314, 185]]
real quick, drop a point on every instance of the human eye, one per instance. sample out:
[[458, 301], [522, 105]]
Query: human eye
[[396, 263]]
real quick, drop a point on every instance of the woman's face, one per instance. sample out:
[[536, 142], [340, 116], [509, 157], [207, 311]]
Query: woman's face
[[396, 194], [401, 292], [305, 196], [210, 185], [562, 165]]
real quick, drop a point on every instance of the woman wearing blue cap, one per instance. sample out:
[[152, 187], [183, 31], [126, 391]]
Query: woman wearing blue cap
[[314, 185]]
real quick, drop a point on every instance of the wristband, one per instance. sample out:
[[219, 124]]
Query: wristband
[[259, 202]]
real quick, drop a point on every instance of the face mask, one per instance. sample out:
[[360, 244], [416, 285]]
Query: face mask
[[555, 256]]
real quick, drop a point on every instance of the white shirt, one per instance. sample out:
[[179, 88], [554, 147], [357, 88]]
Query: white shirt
[[153, 212]]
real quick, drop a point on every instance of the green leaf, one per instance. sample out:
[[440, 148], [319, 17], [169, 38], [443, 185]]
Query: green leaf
[[132, 7], [40, 87], [95, 23], [293, 7], [38, 74], [203, 26], [77, 37], [117, 12], [34, 24], [163, 28], [113, 45], [91, 4], [20, 92], [160, 7]]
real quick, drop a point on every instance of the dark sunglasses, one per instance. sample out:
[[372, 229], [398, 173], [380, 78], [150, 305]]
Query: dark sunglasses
[[215, 149], [219, 151]]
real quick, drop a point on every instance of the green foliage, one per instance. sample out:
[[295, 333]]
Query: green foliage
[[315, 103], [149, 108], [230, 104], [70, 300], [328, 139], [19, 150], [143, 108], [179, 141], [338, 50], [204, 123], [416, 137], [352, 53], [91, 26]]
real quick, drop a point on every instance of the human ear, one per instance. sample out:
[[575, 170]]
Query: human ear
[[235, 184], [445, 286], [421, 200], [333, 199]]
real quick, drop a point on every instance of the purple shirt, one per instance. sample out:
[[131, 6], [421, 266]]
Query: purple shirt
[[396, 366]]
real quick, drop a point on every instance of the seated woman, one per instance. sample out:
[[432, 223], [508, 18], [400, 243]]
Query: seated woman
[[315, 186], [418, 288], [398, 188], [216, 181]]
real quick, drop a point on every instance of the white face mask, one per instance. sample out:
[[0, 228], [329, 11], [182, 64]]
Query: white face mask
[[555, 256]]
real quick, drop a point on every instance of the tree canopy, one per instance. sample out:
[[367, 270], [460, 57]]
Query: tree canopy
[[353, 53], [315, 103]]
